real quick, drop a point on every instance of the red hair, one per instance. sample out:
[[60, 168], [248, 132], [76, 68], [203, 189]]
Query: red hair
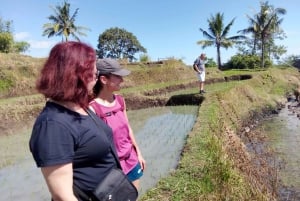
[[67, 72]]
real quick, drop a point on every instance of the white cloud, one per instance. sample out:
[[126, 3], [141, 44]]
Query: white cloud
[[21, 36], [36, 44], [295, 50], [41, 44]]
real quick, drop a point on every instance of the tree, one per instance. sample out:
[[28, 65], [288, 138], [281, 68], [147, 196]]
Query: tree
[[265, 27], [118, 43], [217, 35], [6, 37], [291, 60], [21, 46], [210, 63], [63, 24], [6, 42], [5, 26]]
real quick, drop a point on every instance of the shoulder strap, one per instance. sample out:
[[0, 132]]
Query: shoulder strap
[[94, 117], [103, 115], [120, 100], [198, 61], [97, 109]]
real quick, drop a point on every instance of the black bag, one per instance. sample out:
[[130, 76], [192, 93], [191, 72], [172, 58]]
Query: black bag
[[116, 187]]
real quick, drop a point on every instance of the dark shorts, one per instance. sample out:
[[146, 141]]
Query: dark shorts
[[135, 173]]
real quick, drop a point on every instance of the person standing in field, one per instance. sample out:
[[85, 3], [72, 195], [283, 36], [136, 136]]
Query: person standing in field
[[199, 67], [111, 108], [71, 150]]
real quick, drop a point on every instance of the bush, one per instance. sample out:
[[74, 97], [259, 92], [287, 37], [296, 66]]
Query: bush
[[6, 83], [210, 63], [240, 61], [6, 42], [144, 58]]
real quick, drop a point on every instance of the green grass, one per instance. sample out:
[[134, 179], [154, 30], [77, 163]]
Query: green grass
[[213, 158], [209, 169]]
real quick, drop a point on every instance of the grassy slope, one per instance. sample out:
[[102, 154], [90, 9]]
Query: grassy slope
[[215, 164], [17, 74]]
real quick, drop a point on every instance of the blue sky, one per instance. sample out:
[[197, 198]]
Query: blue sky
[[166, 28]]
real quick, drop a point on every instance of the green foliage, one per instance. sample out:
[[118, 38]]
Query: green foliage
[[210, 63], [144, 58], [6, 82], [264, 29], [217, 35], [240, 61], [291, 60], [118, 43], [6, 42], [63, 24], [5, 26], [21, 46]]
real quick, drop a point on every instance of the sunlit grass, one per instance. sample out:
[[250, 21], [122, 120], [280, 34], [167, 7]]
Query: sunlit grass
[[207, 171], [209, 168]]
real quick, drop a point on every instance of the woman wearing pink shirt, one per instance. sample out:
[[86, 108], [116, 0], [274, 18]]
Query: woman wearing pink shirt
[[111, 109]]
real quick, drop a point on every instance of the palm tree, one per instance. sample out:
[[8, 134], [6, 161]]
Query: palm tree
[[217, 35], [62, 24], [263, 27]]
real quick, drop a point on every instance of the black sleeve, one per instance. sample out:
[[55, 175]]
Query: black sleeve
[[51, 144]]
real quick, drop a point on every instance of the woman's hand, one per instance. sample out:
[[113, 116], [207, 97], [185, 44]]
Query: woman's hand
[[142, 162]]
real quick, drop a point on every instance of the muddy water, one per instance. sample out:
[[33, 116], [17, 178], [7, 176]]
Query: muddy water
[[160, 133], [284, 134], [161, 136]]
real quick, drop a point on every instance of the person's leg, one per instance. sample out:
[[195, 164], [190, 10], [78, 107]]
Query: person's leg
[[136, 183], [202, 82], [202, 86]]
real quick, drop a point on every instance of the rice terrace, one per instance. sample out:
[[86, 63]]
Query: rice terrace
[[219, 158]]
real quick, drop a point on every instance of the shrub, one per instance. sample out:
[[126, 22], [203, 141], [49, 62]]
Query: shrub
[[144, 58], [6, 42], [210, 63], [6, 82], [241, 61]]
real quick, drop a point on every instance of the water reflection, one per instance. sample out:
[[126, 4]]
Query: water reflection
[[284, 134], [160, 133]]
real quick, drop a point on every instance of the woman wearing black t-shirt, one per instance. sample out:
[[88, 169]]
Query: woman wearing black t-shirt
[[66, 143]]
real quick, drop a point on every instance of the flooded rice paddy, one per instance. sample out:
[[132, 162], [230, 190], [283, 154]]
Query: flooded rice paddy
[[283, 132], [160, 133]]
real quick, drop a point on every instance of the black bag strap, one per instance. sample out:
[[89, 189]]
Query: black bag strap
[[81, 194], [96, 119]]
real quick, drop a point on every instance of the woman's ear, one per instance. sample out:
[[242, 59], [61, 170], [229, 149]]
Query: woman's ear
[[103, 79]]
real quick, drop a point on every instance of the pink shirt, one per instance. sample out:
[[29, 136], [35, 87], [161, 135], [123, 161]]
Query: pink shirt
[[114, 116]]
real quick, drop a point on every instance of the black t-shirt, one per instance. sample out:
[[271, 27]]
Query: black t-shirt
[[62, 136]]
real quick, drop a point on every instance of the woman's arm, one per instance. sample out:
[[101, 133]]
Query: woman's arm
[[59, 180], [139, 153]]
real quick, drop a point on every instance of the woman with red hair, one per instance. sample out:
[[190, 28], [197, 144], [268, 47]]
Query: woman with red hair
[[66, 143]]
